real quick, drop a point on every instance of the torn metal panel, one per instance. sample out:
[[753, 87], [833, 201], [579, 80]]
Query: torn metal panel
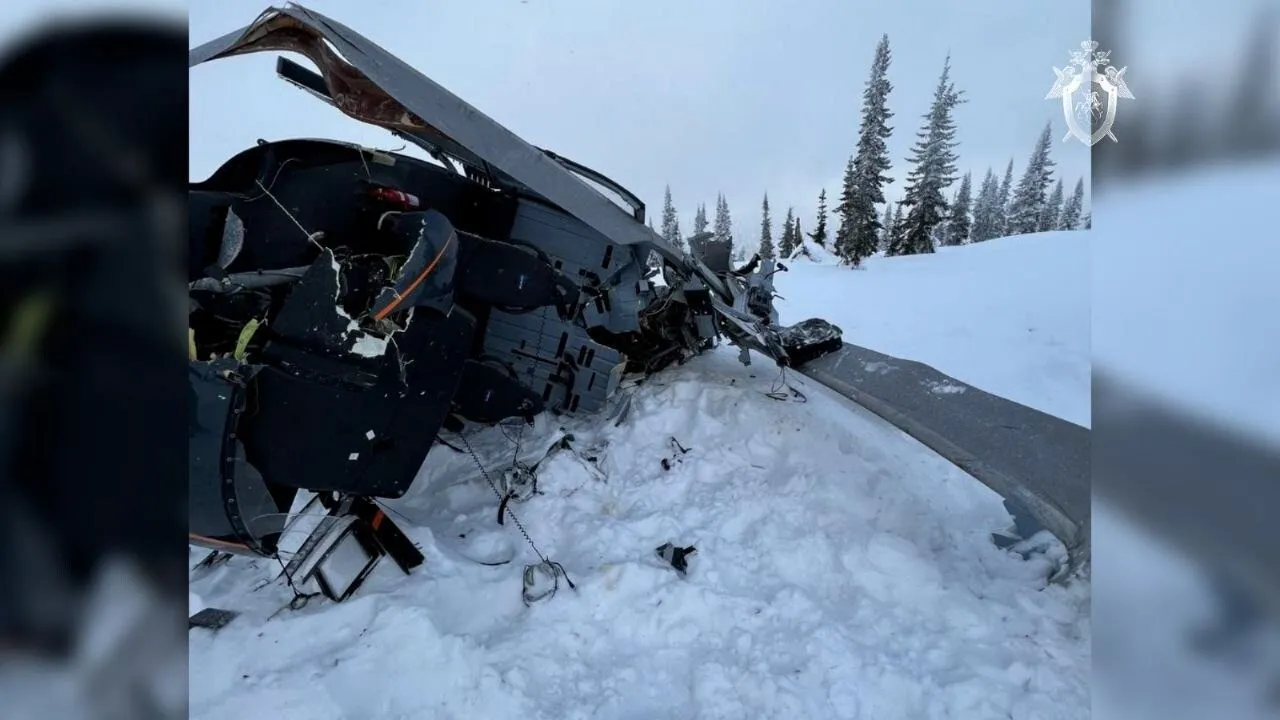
[[386, 299], [427, 277], [376, 87]]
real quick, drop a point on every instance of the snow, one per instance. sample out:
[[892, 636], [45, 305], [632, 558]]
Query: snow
[[1189, 315], [1010, 315], [1184, 283], [842, 569], [812, 252]]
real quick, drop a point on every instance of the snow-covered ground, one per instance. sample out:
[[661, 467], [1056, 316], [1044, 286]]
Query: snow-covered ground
[[1185, 300], [1010, 316], [1185, 293], [842, 571]]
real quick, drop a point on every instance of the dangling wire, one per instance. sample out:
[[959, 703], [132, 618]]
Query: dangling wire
[[300, 599], [779, 389], [553, 567]]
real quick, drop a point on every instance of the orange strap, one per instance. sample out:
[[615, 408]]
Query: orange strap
[[391, 307], [211, 542]]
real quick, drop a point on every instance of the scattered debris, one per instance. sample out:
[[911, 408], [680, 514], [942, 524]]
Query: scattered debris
[[677, 557], [679, 450], [542, 580], [211, 619], [361, 319]]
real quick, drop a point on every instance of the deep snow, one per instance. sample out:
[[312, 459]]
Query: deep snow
[[1184, 295], [1010, 316], [843, 570]]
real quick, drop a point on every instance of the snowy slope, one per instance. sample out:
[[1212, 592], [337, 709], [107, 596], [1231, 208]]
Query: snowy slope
[[1010, 316], [1196, 326], [1185, 295], [843, 571], [811, 252]]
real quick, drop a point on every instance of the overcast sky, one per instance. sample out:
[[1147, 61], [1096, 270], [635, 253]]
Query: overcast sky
[[733, 96]]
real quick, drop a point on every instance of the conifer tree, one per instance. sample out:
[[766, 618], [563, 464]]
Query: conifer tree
[[986, 214], [819, 234], [787, 244], [798, 234], [1052, 209], [865, 187], [959, 225], [1027, 206], [766, 234], [699, 226], [670, 225], [1070, 218], [934, 166], [844, 212], [886, 230], [1001, 225], [723, 227]]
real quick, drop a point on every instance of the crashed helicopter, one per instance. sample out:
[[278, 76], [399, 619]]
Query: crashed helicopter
[[347, 305]]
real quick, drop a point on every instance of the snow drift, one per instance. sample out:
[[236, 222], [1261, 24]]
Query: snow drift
[[814, 253], [1010, 316]]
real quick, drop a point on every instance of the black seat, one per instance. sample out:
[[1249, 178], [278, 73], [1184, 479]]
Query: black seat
[[312, 426]]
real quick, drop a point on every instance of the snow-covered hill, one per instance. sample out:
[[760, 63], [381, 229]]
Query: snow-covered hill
[[843, 570], [1011, 316], [1197, 328]]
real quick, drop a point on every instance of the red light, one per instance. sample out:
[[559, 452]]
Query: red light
[[395, 197]]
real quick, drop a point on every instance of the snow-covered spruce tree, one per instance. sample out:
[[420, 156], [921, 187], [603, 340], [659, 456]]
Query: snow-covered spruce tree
[[886, 227], [870, 162], [934, 169], [723, 227], [844, 213], [787, 243], [1028, 202], [959, 224], [1052, 209], [766, 235], [670, 224], [699, 226], [1001, 226], [819, 234], [1070, 218], [897, 225], [982, 206], [798, 234]]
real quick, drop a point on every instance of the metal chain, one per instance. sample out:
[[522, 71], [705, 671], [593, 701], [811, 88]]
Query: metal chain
[[511, 513], [515, 465]]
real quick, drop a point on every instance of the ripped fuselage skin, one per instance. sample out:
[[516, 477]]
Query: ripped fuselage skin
[[349, 304]]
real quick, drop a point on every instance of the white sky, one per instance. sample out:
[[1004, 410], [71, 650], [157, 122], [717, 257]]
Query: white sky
[[733, 96], [738, 96]]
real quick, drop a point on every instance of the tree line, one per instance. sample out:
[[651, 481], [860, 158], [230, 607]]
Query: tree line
[[925, 218]]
